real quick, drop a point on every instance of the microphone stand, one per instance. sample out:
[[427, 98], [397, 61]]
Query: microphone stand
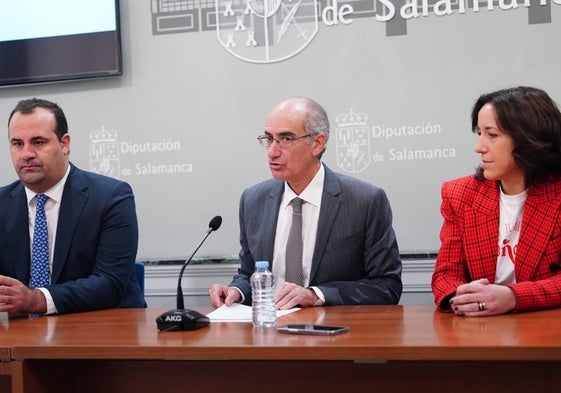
[[180, 301], [181, 318]]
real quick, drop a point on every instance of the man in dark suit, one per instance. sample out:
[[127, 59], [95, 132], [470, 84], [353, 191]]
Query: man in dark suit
[[91, 223], [350, 253]]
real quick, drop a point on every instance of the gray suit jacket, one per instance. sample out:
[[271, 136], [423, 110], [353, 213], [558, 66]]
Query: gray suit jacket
[[356, 257]]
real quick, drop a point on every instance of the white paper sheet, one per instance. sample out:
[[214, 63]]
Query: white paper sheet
[[239, 313]]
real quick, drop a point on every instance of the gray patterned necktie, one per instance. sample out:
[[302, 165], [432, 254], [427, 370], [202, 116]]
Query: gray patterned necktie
[[294, 246]]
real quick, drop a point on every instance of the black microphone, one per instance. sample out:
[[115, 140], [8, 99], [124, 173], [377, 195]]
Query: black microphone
[[180, 318]]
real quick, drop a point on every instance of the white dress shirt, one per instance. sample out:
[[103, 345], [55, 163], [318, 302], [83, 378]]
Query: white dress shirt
[[52, 208], [310, 218]]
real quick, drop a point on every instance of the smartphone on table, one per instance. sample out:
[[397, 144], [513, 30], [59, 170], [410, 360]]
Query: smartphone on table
[[317, 330]]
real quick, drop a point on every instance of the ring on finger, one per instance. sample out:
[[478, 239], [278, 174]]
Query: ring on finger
[[481, 306]]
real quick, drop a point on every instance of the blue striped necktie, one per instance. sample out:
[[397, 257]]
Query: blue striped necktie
[[40, 252]]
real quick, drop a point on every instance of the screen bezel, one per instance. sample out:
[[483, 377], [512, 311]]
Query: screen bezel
[[62, 58]]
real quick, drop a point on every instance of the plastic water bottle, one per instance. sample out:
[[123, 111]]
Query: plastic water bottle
[[263, 298]]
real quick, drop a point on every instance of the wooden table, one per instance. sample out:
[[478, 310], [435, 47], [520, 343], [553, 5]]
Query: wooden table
[[389, 348]]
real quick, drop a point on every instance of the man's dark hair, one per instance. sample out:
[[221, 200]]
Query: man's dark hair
[[29, 105]]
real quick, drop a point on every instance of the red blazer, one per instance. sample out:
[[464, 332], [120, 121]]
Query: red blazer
[[469, 242]]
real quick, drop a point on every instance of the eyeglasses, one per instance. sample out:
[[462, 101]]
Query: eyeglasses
[[284, 141]]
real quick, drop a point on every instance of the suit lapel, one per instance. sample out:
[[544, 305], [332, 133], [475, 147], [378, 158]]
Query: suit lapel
[[482, 227], [17, 228], [74, 199], [270, 217], [330, 205], [482, 231], [541, 207]]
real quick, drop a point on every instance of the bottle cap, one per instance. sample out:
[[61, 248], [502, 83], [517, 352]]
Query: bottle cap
[[262, 265]]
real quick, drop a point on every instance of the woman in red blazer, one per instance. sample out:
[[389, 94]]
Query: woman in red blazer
[[501, 236]]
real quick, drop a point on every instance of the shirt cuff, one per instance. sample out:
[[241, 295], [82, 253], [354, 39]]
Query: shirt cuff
[[241, 294], [320, 295], [51, 309]]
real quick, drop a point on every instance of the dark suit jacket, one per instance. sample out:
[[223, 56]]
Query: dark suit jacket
[[356, 258], [95, 246], [470, 235]]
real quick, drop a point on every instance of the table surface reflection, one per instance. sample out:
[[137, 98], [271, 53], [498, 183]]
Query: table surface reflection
[[410, 332]]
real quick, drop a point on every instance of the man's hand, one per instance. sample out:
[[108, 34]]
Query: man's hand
[[16, 298], [292, 295], [222, 294]]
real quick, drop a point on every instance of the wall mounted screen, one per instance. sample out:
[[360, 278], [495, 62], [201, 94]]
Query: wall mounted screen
[[56, 40]]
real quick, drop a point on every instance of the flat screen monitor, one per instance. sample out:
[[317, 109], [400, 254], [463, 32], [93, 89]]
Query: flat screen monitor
[[58, 40]]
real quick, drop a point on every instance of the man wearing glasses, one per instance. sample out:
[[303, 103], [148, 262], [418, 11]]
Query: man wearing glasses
[[345, 250]]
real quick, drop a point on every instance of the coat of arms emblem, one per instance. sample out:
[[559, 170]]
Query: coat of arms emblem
[[266, 31]]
